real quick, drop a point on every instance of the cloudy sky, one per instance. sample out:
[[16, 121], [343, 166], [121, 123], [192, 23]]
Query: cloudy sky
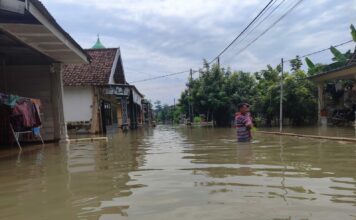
[[159, 37]]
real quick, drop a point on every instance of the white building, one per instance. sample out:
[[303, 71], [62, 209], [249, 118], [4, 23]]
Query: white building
[[92, 99]]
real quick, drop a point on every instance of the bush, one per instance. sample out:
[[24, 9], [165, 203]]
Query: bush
[[197, 119]]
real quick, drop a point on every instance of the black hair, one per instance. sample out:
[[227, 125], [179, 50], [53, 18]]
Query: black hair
[[239, 106]]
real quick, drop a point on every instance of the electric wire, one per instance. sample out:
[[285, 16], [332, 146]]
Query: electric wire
[[242, 32], [269, 5], [254, 28], [270, 27], [159, 77], [260, 14], [320, 51]]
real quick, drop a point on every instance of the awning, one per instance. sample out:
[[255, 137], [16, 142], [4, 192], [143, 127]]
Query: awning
[[30, 23], [137, 97], [347, 72]]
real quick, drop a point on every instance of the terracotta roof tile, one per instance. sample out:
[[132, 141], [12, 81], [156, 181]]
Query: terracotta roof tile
[[96, 73]]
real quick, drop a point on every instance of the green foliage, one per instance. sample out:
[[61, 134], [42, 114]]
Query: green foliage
[[339, 57], [217, 92], [314, 69], [197, 119], [353, 32], [300, 98], [296, 64], [164, 114], [167, 114], [310, 64]]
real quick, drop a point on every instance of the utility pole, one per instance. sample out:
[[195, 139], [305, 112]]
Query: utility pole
[[281, 101], [191, 113], [219, 62], [174, 109]]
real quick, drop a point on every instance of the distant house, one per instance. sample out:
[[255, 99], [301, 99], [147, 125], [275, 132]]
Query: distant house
[[96, 95], [336, 98], [34, 49]]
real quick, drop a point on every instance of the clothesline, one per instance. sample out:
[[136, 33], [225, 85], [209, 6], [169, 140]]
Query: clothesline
[[11, 99]]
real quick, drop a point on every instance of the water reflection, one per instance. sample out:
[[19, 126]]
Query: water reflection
[[177, 173]]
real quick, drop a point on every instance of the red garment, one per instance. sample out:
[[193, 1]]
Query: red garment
[[26, 110]]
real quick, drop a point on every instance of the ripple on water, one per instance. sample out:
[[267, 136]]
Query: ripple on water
[[178, 173]]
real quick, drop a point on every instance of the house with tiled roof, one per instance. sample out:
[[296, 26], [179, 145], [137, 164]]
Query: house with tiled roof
[[34, 48], [97, 96]]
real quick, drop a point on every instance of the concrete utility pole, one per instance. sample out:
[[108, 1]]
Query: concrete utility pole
[[174, 109], [219, 62], [191, 112], [281, 101]]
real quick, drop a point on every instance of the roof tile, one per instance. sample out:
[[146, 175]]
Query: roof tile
[[96, 73]]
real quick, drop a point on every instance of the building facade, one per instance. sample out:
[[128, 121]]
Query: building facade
[[34, 49]]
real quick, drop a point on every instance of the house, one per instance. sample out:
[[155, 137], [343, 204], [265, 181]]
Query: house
[[148, 114], [97, 97], [337, 94], [33, 50], [136, 116]]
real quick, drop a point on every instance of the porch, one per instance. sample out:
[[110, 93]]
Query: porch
[[337, 96], [33, 48]]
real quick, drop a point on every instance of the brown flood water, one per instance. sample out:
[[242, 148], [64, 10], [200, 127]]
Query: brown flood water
[[177, 173]]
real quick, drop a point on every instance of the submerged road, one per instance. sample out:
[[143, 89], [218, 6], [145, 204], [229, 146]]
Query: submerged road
[[178, 173]]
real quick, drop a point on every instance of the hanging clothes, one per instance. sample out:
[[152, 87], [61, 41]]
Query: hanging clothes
[[29, 114], [22, 113], [24, 108], [13, 100]]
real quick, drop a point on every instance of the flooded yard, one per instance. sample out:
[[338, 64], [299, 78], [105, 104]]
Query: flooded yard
[[179, 173]]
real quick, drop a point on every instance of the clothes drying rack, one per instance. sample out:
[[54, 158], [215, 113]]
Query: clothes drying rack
[[17, 135]]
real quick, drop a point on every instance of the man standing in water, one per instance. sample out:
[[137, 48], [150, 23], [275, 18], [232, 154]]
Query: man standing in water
[[243, 123]]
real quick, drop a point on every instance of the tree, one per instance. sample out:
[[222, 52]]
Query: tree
[[296, 64], [353, 32], [314, 69], [300, 98], [267, 94]]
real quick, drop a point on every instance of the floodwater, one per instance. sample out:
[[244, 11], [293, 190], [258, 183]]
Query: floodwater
[[179, 173]]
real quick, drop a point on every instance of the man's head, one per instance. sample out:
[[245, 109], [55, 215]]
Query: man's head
[[244, 108]]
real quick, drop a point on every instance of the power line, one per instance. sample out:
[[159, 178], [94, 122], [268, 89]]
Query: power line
[[139, 72], [261, 13], [159, 77], [319, 51], [242, 32], [270, 27], [263, 20]]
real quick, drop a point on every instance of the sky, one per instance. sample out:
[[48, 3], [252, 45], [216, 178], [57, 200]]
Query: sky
[[158, 37]]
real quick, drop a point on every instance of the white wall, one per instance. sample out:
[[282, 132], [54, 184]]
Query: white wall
[[78, 103]]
